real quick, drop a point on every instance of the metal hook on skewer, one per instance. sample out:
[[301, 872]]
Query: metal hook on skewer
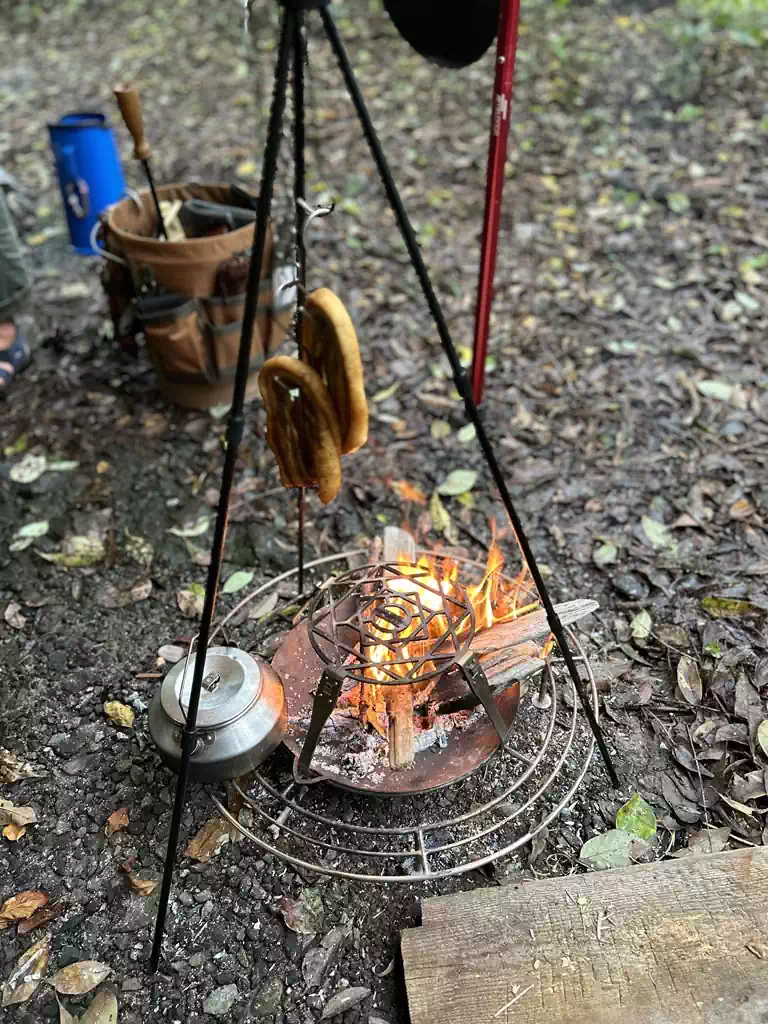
[[313, 213]]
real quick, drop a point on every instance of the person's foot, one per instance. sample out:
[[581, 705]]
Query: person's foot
[[14, 353]]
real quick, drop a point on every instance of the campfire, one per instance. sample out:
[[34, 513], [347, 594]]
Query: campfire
[[397, 629]]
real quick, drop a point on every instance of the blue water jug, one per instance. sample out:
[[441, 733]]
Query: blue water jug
[[89, 173]]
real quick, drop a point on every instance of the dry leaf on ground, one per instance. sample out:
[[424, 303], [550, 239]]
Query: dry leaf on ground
[[103, 1009], [689, 680], [13, 769], [79, 978], [209, 840], [48, 913], [12, 815], [120, 714], [116, 822], [13, 616], [27, 974], [65, 1017], [14, 832], [77, 553], [21, 906], [142, 886]]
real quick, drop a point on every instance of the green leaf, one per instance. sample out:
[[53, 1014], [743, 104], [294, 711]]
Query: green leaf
[[196, 529], [657, 533], [438, 513], [641, 627], [678, 202], [606, 554], [717, 389], [78, 553], [17, 447], [385, 393], [36, 529], [729, 607], [637, 817], [688, 112], [457, 482], [236, 582], [439, 429], [197, 589], [610, 850], [466, 434]]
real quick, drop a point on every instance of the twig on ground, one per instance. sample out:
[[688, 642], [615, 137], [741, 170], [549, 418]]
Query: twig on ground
[[701, 784], [512, 1002]]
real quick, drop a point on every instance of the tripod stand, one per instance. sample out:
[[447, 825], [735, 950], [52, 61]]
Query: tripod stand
[[291, 46]]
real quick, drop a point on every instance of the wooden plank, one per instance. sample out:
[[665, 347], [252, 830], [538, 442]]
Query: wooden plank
[[399, 545], [672, 950]]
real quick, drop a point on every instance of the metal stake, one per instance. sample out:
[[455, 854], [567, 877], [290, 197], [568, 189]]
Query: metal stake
[[234, 436], [299, 190], [462, 385]]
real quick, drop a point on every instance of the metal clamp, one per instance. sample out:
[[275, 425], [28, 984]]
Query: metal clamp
[[326, 695], [476, 679]]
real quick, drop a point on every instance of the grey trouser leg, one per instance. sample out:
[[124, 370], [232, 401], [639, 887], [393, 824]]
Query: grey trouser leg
[[14, 282]]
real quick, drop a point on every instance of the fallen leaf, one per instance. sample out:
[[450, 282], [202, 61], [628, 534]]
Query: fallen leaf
[[21, 906], [441, 520], [610, 850], [678, 202], [13, 815], [14, 832], [33, 530], [195, 529], [13, 616], [466, 434], [689, 680], [42, 917], [641, 627], [120, 714], [729, 607], [637, 817], [27, 974], [758, 948], [457, 482], [17, 447], [265, 607], [12, 768], [709, 840], [139, 549], [102, 1010], [246, 169], [142, 886], [606, 554], [439, 429], [116, 822], [80, 978], [304, 915], [190, 600], [657, 533], [77, 553], [237, 581], [63, 466], [738, 806], [344, 1000], [173, 653], [65, 1017], [29, 469], [762, 736], [209, 840], [385, 393], [408, 493], [741, 509], [140, 591], [717, 389]]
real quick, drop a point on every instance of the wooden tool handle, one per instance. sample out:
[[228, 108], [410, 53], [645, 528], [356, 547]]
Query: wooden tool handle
[[127, 97]]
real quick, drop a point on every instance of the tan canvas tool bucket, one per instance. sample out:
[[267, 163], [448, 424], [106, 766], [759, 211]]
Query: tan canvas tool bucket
[[174, 294]]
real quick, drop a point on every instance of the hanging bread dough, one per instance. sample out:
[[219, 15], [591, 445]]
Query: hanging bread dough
[[302, 426], [329, 345]]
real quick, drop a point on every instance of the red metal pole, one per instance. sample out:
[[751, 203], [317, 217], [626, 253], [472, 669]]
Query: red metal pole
[[506, 48]]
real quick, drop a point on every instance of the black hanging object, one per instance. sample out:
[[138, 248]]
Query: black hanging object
[[452, 33]]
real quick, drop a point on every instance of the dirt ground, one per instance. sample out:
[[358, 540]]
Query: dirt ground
[[627, 399]]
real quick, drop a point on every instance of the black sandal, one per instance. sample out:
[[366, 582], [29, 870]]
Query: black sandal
[[17, 357]]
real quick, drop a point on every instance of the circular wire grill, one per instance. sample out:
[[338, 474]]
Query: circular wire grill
[[391, 623], [293, 823]]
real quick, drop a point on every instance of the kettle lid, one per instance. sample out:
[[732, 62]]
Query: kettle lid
[[232, 683]]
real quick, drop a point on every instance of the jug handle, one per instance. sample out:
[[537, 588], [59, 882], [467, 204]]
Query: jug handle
[[96, 248]]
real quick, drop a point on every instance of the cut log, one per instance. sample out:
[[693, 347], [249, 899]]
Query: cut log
[[399, 545]]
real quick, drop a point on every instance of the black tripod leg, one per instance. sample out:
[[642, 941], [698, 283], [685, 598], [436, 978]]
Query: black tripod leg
[[299, 189], [234, 435], [462, 385]]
